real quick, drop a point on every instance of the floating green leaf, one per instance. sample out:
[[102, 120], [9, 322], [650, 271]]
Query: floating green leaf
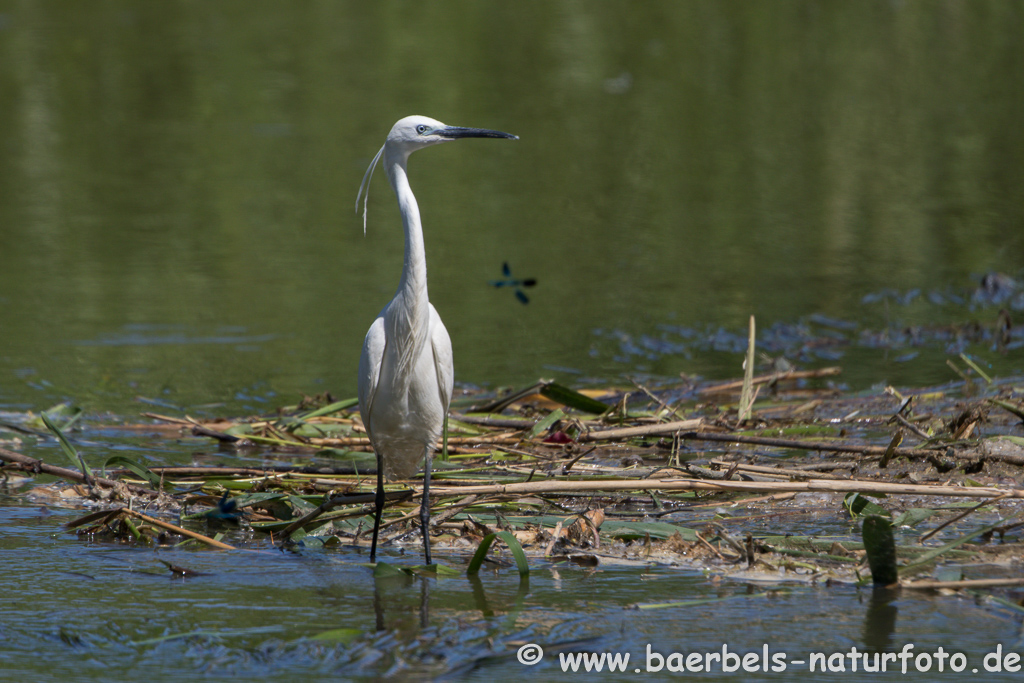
[[331, 408], [345, 455], [383, 570], [860, 506], [140, 471], [311, 541], [912, 517], [241, 429], [546, 423], [572, 399], [635, 530], [339, 635]]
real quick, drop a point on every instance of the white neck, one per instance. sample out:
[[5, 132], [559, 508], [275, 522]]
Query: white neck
[[414, 271]]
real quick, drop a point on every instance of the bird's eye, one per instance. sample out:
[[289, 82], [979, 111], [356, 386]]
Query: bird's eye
[[421, 129]]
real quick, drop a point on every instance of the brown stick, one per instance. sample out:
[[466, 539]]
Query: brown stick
[[777, 471], [508, 437], [563, 486], [177, 529], [771, 497], [776, 376], [181, 422], [265, 471], [805, 445], [530, 454], [661, 404], [645, 430], [28, 464], [968, 583], [957, 518]]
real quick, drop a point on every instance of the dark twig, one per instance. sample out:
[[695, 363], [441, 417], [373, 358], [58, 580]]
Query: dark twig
[[28, 464], [337, 501], [957, 518], [567, 466]]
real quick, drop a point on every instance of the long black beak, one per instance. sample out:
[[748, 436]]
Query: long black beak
[[455, 132]]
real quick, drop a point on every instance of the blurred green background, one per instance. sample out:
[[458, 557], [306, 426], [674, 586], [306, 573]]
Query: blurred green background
[[177, 183]]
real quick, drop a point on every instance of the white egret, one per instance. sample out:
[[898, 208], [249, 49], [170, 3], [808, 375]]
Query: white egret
[[405, 371]]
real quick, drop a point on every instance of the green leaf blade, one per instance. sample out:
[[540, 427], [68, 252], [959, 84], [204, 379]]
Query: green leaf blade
[[573, 399], [513, 545], [66, 446], [881, 550]]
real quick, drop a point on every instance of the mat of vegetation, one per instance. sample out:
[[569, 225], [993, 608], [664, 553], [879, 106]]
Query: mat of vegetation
[[700, 476]]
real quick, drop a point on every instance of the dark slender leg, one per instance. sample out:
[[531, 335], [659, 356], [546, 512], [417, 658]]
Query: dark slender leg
[[379, 502], [425, 505]]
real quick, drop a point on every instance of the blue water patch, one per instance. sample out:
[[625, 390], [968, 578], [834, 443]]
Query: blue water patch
[[149, 335], [819, 337]]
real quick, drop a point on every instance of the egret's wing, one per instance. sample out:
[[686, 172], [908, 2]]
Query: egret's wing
[[369, 368], [441, 344]]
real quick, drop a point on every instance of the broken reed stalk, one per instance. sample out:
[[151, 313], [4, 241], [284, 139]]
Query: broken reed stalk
[[661, 404], [777, 471], [508, 437], [774, 377], [177, 529], [974, 366], [264, 471], [967, 583], [747, 390], [830, 486], [645, 430], [806, 445]]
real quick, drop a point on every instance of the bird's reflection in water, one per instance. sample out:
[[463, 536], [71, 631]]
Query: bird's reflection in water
[[400, 608], [389, 591]]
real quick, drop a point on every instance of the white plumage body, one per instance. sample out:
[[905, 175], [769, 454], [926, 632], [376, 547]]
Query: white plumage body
[[405, 370], [403, 411]]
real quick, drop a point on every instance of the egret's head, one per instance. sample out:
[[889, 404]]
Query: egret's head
[[416, 132]]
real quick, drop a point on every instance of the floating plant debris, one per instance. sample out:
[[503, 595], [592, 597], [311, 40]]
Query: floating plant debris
[[601, 476]]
